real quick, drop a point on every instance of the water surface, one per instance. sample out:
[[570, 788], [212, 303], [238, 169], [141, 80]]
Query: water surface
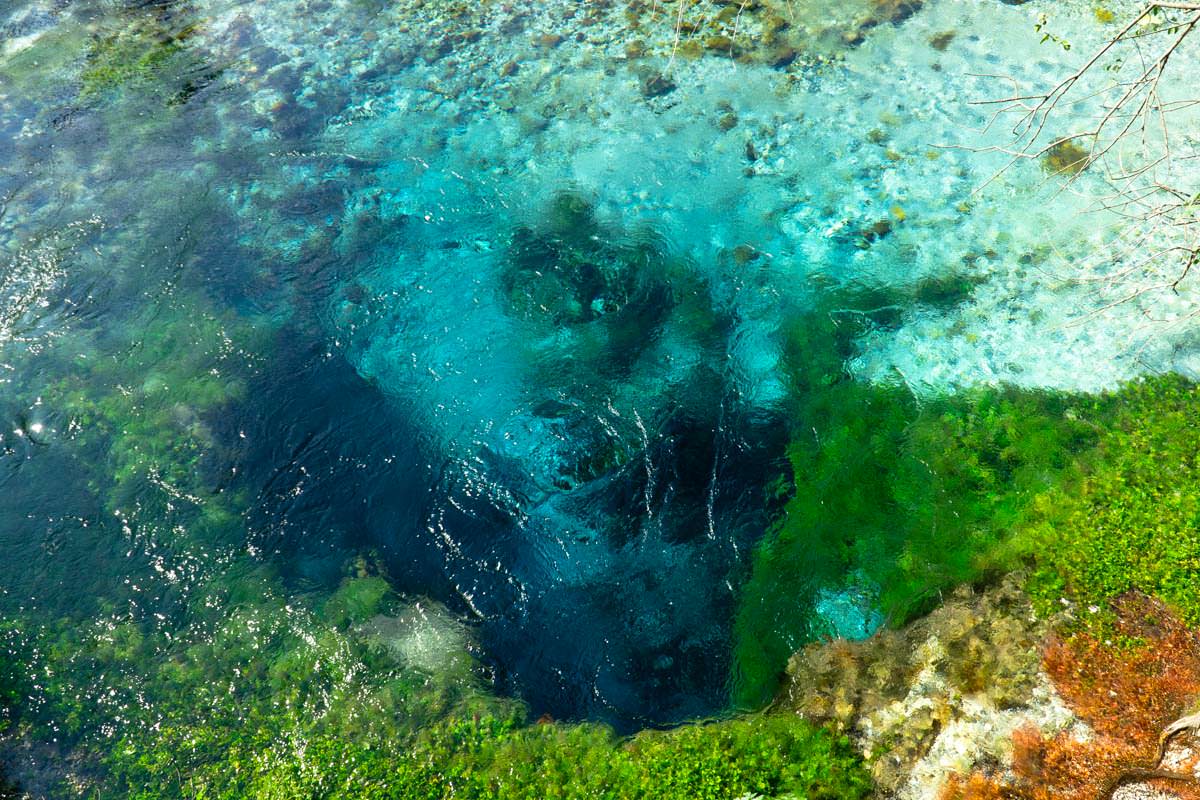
[[497, 295]]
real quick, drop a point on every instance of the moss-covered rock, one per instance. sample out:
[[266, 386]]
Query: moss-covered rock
[[948, 689]]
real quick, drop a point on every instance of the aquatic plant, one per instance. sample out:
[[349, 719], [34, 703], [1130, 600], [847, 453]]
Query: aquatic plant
[[149, 54], [1133, 521], [169, 706], [14, 656], [116, 60], [260, 698], [502, 758], [1098, 494], [902, 495], [138, 413]]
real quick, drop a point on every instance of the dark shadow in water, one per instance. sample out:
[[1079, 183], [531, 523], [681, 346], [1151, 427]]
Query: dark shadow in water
[[338, 467]]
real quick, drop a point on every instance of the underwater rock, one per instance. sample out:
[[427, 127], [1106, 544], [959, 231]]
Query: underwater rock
[[1066, 158], [941, 41], [657, 85], [872, 233], [945, 291], [895, 11], [722, 44], [948, 689], [781, 57], [567, 273], [423, 635]]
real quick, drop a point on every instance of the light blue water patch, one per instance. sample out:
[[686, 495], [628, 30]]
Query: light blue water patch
[[850, 612]]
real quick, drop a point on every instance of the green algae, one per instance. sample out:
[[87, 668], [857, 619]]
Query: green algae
[[137, 414], [163, 710], [118, 60], [611, 289], [266, 700], [136, 50], [913, 495], [910, 495], [145, 53], [1132, 522], [14, 655], [44, 63]]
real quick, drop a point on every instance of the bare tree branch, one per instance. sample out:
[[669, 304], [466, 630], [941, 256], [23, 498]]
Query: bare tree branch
[[1125, 140]]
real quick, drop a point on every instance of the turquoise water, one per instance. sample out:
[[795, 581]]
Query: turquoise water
[[494, 294]]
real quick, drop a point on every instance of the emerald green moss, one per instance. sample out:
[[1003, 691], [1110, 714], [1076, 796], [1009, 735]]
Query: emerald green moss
[[137, 414], [903, 495], [14, 679], [908, 497], [116, 61], [357, 600], [1133, 522], [500, 758], [265, 701]]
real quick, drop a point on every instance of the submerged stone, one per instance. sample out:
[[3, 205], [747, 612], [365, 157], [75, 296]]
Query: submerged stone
[[1066, 158], [780, 57], [952, 686], [657, 85], [941, 41]]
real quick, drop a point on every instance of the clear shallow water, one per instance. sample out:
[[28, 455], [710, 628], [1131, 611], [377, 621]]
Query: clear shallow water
[[515, 329]]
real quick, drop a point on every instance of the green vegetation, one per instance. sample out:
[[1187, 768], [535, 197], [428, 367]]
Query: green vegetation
[[905, 496], [1133, 523], [228, 699], [14, 654], [145, 55], [138, 411], [261, 698], [117, 60], [14, 688], [503, 759]]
